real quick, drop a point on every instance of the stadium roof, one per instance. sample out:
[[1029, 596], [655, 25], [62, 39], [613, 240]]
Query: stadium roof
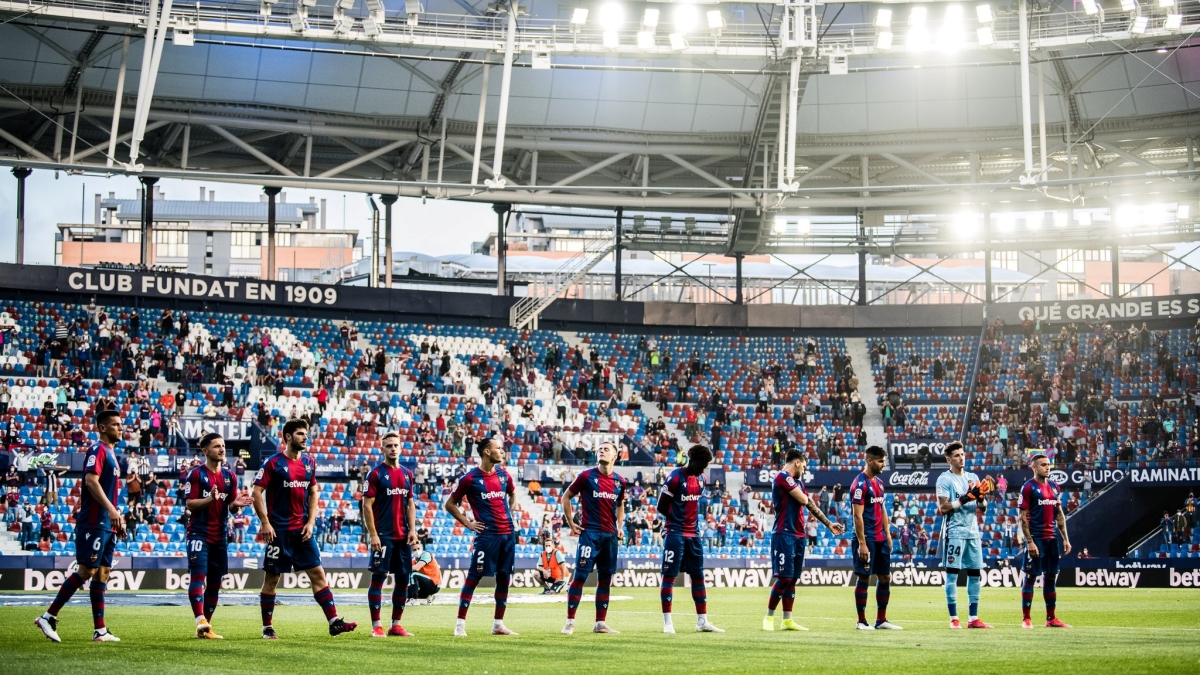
[[181, 209]]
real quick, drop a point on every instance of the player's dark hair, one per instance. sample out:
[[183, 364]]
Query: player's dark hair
[[103, 416], [792, 455], [485, 443], [699, 457], [208, 438], [293, 425], [876, 452], [951, 447], [1040, 455]]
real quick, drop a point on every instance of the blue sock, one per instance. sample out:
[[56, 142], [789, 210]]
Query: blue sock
[[952, 593], [973, 585]]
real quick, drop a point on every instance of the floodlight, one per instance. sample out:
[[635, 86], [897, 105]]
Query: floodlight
[[664, 223], [611, 39], [678, 43], [372, 5], [780, 224], [299, 21], [578, 18], [183, 36], [345, 4], [716, 20], [685, 18], [1126, 216], [645, 39], [1128, 5], [540, 58], [1183, 212], [650, 19], [966, 223], [371, 27], [803, 227], [917, 16], [1034, 220], [1090, 7], [986, 36], [883, 18], [1006, 222], [1166, 3], [611, 16], [343, 25], [1173, 22], [411, 7], [883, 40], [1084, 218], [689, 224], [1139, 25], [1061, 218], [639, 221], [984, 13], [265, 6], [952, 35]]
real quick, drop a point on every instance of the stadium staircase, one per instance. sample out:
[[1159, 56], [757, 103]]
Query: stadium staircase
[[10, 544], [858, 350], [1117, 519], [526, 310]]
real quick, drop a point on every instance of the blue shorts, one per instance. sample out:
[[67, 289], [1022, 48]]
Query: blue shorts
[[208, 559], [493, 554], [787, 554], [961, 553], [596, 550], [879, 563], [95, 548], [1047, 560], [395, 557], [289, 552], [682, 553]]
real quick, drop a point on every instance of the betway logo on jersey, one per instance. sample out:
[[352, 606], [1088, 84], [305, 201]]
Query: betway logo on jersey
[[295, 484], [600, 494], [397, 492], [690, 498], [219, 496], [494, 494], [1047, 502]]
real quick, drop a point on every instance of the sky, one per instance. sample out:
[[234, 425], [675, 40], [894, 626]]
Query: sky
[[437, 227]]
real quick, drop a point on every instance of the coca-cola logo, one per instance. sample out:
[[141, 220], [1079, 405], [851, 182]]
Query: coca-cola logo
[[914, 479]]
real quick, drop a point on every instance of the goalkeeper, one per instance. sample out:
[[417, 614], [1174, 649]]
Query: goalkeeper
[[960, 496]]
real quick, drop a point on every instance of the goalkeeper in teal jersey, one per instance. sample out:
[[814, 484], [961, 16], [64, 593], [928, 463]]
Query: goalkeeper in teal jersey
[[960, 497]]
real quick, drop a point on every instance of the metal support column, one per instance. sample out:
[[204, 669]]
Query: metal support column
[[1026, 116], [117, 100], [501, 209], [737, 259], [21, 173], [617, 254], [988, 296], [270, 271], [505, 84], [373, 275], [1116, 272], [148, 183], [483, 90], [862, 259], [387, 200]]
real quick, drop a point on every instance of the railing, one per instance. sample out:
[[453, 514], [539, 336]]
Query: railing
[[539, 296]]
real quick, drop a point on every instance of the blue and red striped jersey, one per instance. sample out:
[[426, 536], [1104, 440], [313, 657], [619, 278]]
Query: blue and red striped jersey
[[600, 496], [869, 493], [391, 489], [487, 493], [679, 502], [102, 461], [286, 482], [789, 514], [211, 522], [1041, 500]]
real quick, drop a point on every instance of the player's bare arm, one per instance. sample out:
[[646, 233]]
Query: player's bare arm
[[412, 522], [368, 516], [453, 507], [91, 482], [811, 505], [1060, 519], [260, 510], [569, 513], [860, 532], [1030, 546], [314, 496]]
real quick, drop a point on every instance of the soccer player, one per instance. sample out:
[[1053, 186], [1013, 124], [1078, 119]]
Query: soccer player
[[873, 554], [602, 502], [97, 524], [390, 514], [489, 490], [960, 495], [285, 499], [212, 493], [1041, 510], [679, 505], [789, 498]]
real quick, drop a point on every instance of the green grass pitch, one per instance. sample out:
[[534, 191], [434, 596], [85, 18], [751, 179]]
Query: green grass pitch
[[1115, 631]]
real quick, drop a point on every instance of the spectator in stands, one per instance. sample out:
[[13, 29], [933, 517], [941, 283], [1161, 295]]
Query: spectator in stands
[[5, 396], [133, 486], [23, 461], [12, 494], [27, 518], [1181, 527], [1167, 525]]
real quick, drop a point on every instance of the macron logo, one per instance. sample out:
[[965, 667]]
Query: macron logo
[[495, 494], [603, 495], [295, 484], [397, 492]]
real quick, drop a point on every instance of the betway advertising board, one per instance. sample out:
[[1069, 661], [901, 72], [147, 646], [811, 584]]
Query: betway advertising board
[[1114, 574]]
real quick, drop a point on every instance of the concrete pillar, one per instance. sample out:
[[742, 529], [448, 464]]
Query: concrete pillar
[[387, 200], [148, 183], [737, 259], [502, 210], [271, 192], [1116, 272], [21, 173], [617, 251]]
